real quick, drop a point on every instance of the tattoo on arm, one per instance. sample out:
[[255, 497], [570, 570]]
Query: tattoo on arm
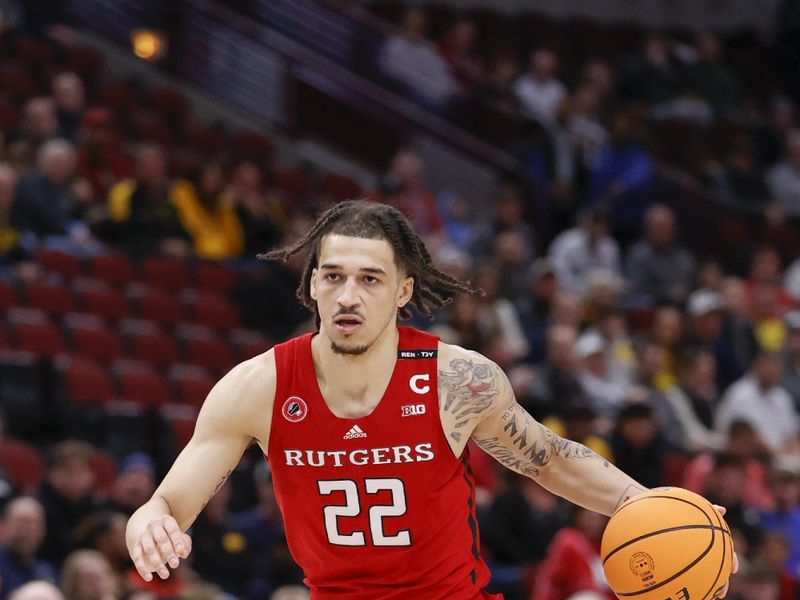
[[630, 492], [527, 446], [468, 390], [216, 489]]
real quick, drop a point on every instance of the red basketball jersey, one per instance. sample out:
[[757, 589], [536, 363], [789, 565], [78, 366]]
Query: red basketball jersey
[[375, 508]]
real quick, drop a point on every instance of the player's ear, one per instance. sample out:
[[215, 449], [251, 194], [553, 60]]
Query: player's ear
[[312, 283], [405, 291]]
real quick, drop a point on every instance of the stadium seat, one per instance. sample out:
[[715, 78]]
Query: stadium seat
[[23, 465], [214, 277], [341, 187], [112, 268], [208, 139], [105, 472], [181, 420], [154, 304], [8, 295], [192, 383], [86, 383], [204, 348], [96, 297], [165, 273], [169, 104], [35, 53], [52, 298], [154, 347], [33, 332], [249, 343], [252, 145], [16, 83], [9, 115], [213, 310], [91, 337], [151, 127], [86, 61], [59, 261], [140, 383]]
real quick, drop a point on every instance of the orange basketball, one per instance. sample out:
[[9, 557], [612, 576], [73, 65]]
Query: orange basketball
[[667, 544]]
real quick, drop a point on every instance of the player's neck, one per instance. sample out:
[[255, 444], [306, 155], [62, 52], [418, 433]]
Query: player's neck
[[346, 375]]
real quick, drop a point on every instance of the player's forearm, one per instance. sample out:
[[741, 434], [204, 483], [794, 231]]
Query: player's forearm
[[587, 479], [154, 508]]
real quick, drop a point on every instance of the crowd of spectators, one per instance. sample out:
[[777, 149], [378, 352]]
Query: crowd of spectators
[[676, 366]]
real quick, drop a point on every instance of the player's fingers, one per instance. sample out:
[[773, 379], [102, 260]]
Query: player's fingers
[[165, 547], [138, 561], [152, 558], [735, 566], [187, 545], [721, 510], [176, 540]]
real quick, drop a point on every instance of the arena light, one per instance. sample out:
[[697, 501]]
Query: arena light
[[148, 44]]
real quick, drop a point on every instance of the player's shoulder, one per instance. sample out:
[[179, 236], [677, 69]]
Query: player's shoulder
[[252, 379], [447, 353]]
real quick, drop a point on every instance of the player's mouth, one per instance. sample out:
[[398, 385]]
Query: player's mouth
[[347, 324]]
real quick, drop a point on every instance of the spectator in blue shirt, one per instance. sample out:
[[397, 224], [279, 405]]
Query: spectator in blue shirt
[[23, 532]]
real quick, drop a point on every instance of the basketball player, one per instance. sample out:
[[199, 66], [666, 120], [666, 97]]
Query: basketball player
[[365, 425]]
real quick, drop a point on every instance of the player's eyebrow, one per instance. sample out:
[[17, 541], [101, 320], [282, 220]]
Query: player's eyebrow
[[334, 267]]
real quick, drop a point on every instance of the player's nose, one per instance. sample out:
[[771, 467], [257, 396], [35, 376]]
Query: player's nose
[[348, 297]]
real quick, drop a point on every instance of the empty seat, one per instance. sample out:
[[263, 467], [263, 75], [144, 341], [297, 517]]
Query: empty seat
[[97, 298], [92, 338], [112, 268], [140, 383], [33, 332], [252, 145], [249, 343], [165, 273], [192, 383], [22, 463], [86, 383], [214, 277], [155, 305], [59, 261], [154, 347], [53, 298], [8, 295], [181, 420], [213, 310], [204, 348]]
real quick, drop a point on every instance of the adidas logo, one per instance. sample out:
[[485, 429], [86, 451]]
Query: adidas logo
[[355, 432]]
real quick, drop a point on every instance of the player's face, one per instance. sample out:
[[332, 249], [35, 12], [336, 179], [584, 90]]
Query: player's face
[[358, 289]]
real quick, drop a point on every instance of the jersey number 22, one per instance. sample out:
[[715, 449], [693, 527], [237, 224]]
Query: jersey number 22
[[352, 508]]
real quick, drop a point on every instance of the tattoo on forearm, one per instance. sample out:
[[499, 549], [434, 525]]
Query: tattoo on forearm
[[468, 390], [527, 446], [630, 492], [216, 489]]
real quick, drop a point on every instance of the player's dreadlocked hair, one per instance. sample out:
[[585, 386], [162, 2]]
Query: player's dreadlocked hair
[[371, 220]]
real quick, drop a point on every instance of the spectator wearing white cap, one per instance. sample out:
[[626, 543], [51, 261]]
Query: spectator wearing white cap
[[758, 399], [604, 393]]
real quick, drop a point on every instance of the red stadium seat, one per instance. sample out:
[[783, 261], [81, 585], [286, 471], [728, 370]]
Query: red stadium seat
[[151, 127], [8, 295], [213, 310], [112, 268], [252, 145], [33, 332], [341, 187], [181, 420], [165, 273], [249, 343], [50, 297], [96, 297], [35, 53], [23, 464], [86, 382], [294, 183], [92, 338], [154, 347], [59, 262], [118, 96], [170, 104], [208, 139], [155, 305], [9, 115], [86, 61], [105, 472], [15, 82], [204, 348], [140, 383], [193, 383], [214, 277]]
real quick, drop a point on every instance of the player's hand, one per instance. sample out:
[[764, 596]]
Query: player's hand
[[735, 566], [161, 545]]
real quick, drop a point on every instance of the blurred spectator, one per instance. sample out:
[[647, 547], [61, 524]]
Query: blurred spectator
[[638, 445], [785, 516], [769, 136], [100, 161], [573, 560], [104, 531], [209, 215], [667, 333], [622, 172], [261, 216], [766, 271], [511, 259], [23, 533], [88, 576], [509, 217], [37, 590], [791, 357], [39, 124], [649, 76], [66, 496], [604, 393], [577, 423], [659, 269], [457, 49], [758, 399], [539, 91], [413, 198], [759, 581], [709, 78], [742, 443], [554, 388], [784, 178], [290, 592], [737, 328], [135, 483], [496, 91], [534, 307], [141, 217], [11, 248], [70, 99], [773, 553], [740, 183], [577, 252], [459, 325], [412, 61], [44, 205]]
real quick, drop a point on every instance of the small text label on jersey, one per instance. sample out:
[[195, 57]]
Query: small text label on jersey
[[412, 410], [359, 457], [294, 409], [414, 385], [355, 432]]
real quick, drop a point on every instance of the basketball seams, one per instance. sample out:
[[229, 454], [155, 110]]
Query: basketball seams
[[659, 532], [709, 594]]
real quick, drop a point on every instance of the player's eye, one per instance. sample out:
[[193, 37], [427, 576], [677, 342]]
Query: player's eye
[[369, 279], [332, 277]]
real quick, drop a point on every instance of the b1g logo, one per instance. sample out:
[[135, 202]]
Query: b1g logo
[[412, 410], [294, 409]]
